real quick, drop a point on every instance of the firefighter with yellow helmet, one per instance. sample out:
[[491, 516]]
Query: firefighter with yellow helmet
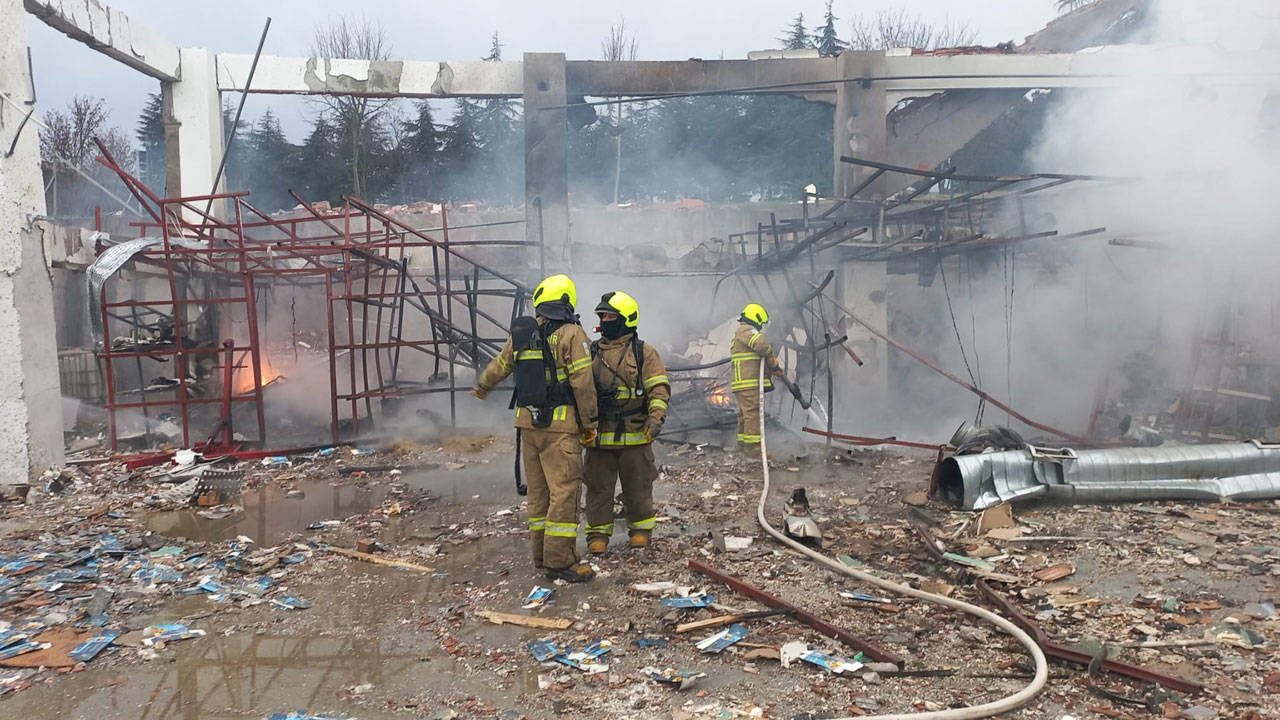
[[749, 349], [632, 390], [555, 401]]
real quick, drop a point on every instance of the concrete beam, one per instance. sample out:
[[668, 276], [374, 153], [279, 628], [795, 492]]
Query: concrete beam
[[1109, 66], [30, 391], [901, 74], [371, 78], [110, 32], [602, 78]]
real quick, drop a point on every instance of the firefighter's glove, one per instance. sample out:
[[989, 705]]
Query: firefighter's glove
[[479, 392], [776, 370], [588, 437], [651, 430]]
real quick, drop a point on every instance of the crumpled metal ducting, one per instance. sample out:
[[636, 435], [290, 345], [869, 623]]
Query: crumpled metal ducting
[[109, 263], [1239, 471]]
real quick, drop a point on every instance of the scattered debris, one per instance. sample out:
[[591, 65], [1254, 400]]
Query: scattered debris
[[378, 560], [723, 639], [1054, 572], [682, 679], [501, 618], [538, 597], [834, 664]]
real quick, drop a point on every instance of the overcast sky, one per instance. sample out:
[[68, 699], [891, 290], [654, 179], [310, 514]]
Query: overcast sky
[[425, 30]]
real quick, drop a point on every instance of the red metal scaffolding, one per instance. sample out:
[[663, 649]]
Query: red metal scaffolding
[[387, 288]]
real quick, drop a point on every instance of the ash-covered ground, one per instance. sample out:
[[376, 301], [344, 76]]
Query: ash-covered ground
[[1183, 589]]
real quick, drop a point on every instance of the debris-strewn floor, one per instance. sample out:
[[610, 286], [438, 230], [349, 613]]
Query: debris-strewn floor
[[1187, 590]]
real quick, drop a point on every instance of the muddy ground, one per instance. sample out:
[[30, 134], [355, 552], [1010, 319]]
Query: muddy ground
[[1192, 583]]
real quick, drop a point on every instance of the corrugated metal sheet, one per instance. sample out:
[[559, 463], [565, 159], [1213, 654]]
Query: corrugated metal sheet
[[1240, 471]]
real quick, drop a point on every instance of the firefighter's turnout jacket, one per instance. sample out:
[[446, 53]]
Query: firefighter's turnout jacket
[[627, 401], [748, 349]]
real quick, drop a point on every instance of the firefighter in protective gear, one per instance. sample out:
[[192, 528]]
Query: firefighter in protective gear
[[550, 430], [748, 350], [633, 391]]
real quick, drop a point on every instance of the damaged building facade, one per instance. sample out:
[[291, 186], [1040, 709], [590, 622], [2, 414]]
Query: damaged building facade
[[1102, 322], [888, 230]]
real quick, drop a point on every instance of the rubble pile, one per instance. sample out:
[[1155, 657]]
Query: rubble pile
[[437, 572]]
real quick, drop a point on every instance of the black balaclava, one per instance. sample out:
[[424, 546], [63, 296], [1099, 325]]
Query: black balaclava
[[613, 329], [557, 310]]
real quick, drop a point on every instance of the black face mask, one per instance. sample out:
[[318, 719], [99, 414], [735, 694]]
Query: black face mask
[[613, 329]]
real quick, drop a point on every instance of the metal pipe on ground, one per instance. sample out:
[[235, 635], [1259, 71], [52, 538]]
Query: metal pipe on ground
[[1239, 471]]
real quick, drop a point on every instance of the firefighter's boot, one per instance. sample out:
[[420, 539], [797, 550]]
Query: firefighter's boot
[[575, 573], [597, 544], [639, 539]]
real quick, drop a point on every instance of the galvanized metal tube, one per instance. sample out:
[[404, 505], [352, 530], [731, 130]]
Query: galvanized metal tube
[[1239, 471]]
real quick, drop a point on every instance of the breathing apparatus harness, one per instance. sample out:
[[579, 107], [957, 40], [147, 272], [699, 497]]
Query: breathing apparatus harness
[[538, 389], [607, 401]]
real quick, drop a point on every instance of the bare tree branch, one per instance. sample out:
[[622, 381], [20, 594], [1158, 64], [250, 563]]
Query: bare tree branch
[[897, 29], [617, 47], [355, 39]]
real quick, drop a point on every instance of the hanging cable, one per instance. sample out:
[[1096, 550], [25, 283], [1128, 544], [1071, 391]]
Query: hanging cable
[[996, 707], [942, 270], [973, 337]]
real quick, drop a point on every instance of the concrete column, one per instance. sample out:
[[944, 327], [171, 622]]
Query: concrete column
[[193, 127], [546, 160], [859, 129], [30, 394]]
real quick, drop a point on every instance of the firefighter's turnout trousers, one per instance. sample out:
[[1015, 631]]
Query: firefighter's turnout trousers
[[637, 470], [748, 416], [749, 349], [553, 471], [631, 383]]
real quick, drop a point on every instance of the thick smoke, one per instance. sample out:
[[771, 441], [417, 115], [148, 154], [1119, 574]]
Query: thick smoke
[[1197, 134]]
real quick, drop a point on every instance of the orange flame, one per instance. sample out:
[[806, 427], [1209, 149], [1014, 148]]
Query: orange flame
[[719, 397], [242, 381]]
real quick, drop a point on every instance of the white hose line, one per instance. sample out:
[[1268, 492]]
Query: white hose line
[[1003, 705]]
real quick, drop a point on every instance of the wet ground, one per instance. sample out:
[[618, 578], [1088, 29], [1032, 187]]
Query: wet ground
[[383, 642]]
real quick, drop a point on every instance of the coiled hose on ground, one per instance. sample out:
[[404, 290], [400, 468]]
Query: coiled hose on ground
[[1005, 704]]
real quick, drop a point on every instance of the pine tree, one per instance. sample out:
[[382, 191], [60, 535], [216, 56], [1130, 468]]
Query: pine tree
[[239, 155], [273, 157], [499, 165], [827, 41], [150, 134], [320, 171], [420, 153], [458, 149], [796, 37]]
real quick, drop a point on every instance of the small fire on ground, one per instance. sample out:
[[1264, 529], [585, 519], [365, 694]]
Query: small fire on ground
[[719, 397], [242, 381]]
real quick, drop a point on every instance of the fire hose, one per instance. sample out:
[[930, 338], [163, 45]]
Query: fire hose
[[996, 707]]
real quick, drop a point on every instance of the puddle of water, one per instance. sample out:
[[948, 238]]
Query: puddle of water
[[244, 676], [269, 516], [247, 676]]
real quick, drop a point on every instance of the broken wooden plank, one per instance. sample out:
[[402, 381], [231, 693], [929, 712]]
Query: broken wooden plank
[[542, 623], [378, 560], [1054, 572], [730, 619]]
